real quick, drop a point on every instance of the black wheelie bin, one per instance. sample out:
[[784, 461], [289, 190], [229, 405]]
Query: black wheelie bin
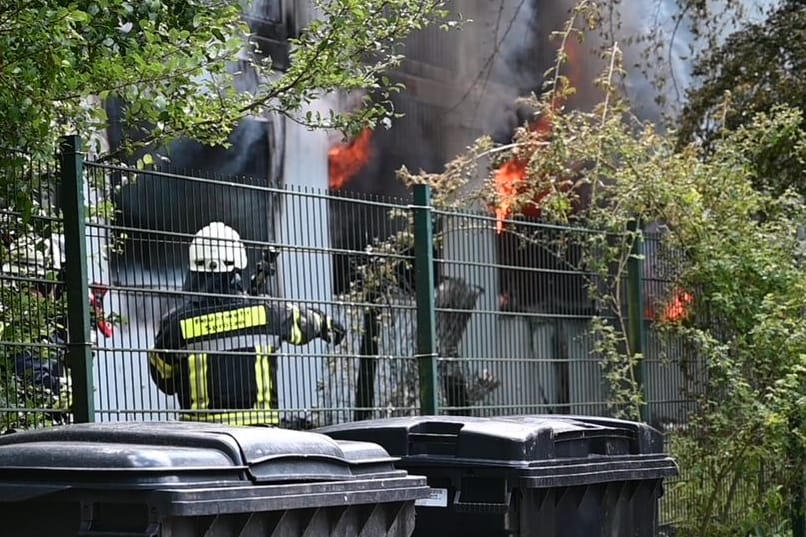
[[527, 476], [199, 479]]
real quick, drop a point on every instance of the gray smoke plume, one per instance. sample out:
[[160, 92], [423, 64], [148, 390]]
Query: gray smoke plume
[[501, 57], [668, 30]]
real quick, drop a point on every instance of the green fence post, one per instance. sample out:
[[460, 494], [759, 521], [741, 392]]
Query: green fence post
[[79, 346], [426, 315], [635, 311], [797, 508]]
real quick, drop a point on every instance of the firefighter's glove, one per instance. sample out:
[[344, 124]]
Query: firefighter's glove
[[332, 331]]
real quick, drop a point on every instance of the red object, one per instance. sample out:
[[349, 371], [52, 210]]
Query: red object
[[97, 294]]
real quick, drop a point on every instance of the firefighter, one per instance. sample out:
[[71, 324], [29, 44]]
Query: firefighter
[[216, 351], [36, 263]]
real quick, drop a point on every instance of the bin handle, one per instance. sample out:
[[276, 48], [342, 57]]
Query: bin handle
[[87, 519], [151, 531], [481, 507]]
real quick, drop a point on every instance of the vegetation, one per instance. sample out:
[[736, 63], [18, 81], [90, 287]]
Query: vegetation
[[724, 188], [174, 66], [754, 71], [733, 212]]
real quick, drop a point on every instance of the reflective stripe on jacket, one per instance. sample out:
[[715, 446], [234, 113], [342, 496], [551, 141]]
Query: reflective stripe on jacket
[[219, 358]]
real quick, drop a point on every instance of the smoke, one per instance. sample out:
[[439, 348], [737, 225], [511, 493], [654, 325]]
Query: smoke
[[177, 205], [460, 84], [505, 52], [500, 58], [662, 22], [464, 84], [659, 62]]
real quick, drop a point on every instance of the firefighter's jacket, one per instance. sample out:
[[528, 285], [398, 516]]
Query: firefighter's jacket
[[219, 356]]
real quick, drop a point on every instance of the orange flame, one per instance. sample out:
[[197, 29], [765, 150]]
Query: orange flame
[[510, 178], [346, 160], [574, 65], [510, 182], [677, 310]]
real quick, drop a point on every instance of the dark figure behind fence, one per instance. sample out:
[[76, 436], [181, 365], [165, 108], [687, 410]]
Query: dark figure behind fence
[[43, 376]]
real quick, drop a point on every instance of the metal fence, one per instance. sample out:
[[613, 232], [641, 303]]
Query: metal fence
[[33, 307], [443, 312], [372, 372]]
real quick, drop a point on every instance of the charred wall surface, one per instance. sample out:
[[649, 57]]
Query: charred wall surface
[[461, 85]]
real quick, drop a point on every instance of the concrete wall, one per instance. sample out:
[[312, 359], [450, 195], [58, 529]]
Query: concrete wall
[[301, 227]]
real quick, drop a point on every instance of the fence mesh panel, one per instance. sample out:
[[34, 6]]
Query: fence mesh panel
[[34, 390], [371, 373], [513, 311]]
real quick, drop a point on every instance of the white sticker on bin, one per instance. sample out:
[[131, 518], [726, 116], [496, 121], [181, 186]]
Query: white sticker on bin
[[437, 498]]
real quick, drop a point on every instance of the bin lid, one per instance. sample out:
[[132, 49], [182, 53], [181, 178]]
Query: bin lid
[[506, 440], [156, 454]]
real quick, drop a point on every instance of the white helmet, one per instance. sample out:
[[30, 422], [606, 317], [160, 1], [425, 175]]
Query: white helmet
[[217, 248]]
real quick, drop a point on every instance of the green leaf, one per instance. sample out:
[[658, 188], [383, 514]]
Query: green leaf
[[79, 16]]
